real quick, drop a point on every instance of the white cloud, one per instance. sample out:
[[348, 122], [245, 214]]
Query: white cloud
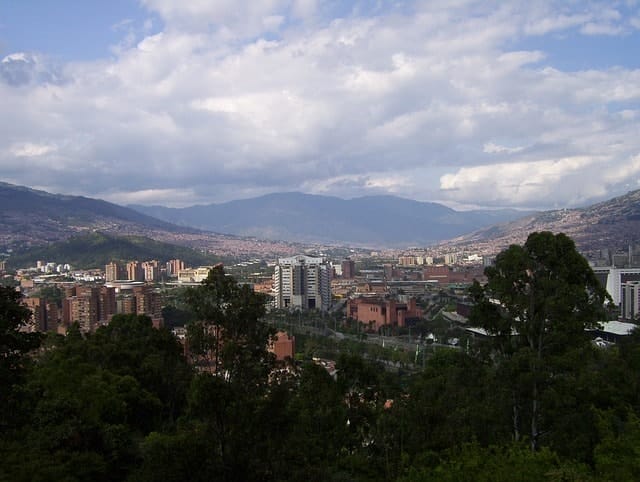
[[594, 28], [239, 98], [491, 148], [30, 149]]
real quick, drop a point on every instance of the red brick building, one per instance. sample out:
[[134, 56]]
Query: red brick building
[[377, 312], [284, 346]]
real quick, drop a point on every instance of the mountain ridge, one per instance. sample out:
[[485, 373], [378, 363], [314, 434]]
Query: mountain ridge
[[31, 218], [613, 223], [384, 220]]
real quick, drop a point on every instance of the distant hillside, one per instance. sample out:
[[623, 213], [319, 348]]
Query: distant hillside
[[612, 224], [31, 217], [368, 221], [95, 250]]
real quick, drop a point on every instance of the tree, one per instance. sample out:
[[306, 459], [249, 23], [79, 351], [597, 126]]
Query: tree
[[14, 345], [229, 330], [538, 301]]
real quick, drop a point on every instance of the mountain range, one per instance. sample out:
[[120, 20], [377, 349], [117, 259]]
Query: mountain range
[[611, 224], [372, 221], [30, 217]]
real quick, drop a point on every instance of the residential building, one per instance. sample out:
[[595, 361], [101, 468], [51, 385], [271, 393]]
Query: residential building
[[135, 272], [174, 266], [38, 320], [81, 306], [113, 271], [151, 270]]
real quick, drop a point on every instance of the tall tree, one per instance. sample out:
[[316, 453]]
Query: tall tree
[[538, 301], [14, 345], [229, 330]]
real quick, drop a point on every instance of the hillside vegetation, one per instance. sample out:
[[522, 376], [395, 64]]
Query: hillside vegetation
[[97, 249]]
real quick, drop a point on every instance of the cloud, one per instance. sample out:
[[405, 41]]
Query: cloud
[[491, 148], [239, 98], [29, 149], [22, 68]]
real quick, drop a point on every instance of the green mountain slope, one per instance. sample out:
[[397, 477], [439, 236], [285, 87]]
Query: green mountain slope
[[97, 249]]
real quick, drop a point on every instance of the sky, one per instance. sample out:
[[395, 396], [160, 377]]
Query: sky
[[524, 104]]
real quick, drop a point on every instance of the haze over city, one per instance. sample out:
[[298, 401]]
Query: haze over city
[[519, 104]]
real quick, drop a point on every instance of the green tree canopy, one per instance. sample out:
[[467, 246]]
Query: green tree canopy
[[537, 303], [14, 345], [229, 330]]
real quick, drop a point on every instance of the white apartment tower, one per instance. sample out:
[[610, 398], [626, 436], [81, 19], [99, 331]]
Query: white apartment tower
[[302, 282]]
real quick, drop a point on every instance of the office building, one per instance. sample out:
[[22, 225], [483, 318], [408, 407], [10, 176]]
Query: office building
[[613, 278], [348, 269], [630, 300], [302, 282]]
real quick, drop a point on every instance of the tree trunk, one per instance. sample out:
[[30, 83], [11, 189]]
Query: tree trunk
[[534, 417], [515, 417]]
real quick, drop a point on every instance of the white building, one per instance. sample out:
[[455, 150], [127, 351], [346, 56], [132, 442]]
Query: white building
[[613, 278], [630, 302], [193, 275], [302, 282]]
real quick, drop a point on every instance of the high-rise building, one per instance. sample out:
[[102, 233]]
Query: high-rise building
[[613, 278], [135, 271], [348, 268], [174, 266], [302, 282], [630, 302], [82, 307], [38, 319], [107, 303], [151, 270], [111, 272]]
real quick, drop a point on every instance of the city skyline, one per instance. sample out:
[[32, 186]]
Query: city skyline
[[519, 104]]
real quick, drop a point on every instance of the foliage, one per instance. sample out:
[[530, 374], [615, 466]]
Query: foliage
[[124, 403], [15, 344], [97, 249], [88, 400], [229, 333], [52, 294], [537, 303]]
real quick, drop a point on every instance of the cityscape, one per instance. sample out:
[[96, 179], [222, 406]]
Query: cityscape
[[309, 240]]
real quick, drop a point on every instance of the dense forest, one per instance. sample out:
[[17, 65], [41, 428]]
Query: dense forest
[[536, 401]]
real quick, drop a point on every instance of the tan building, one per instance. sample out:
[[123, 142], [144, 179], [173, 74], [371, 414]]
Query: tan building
[[135, 271], [38, 319], [83, 308], [151, 270], [112, 272], [174, 266], [194, 275]]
